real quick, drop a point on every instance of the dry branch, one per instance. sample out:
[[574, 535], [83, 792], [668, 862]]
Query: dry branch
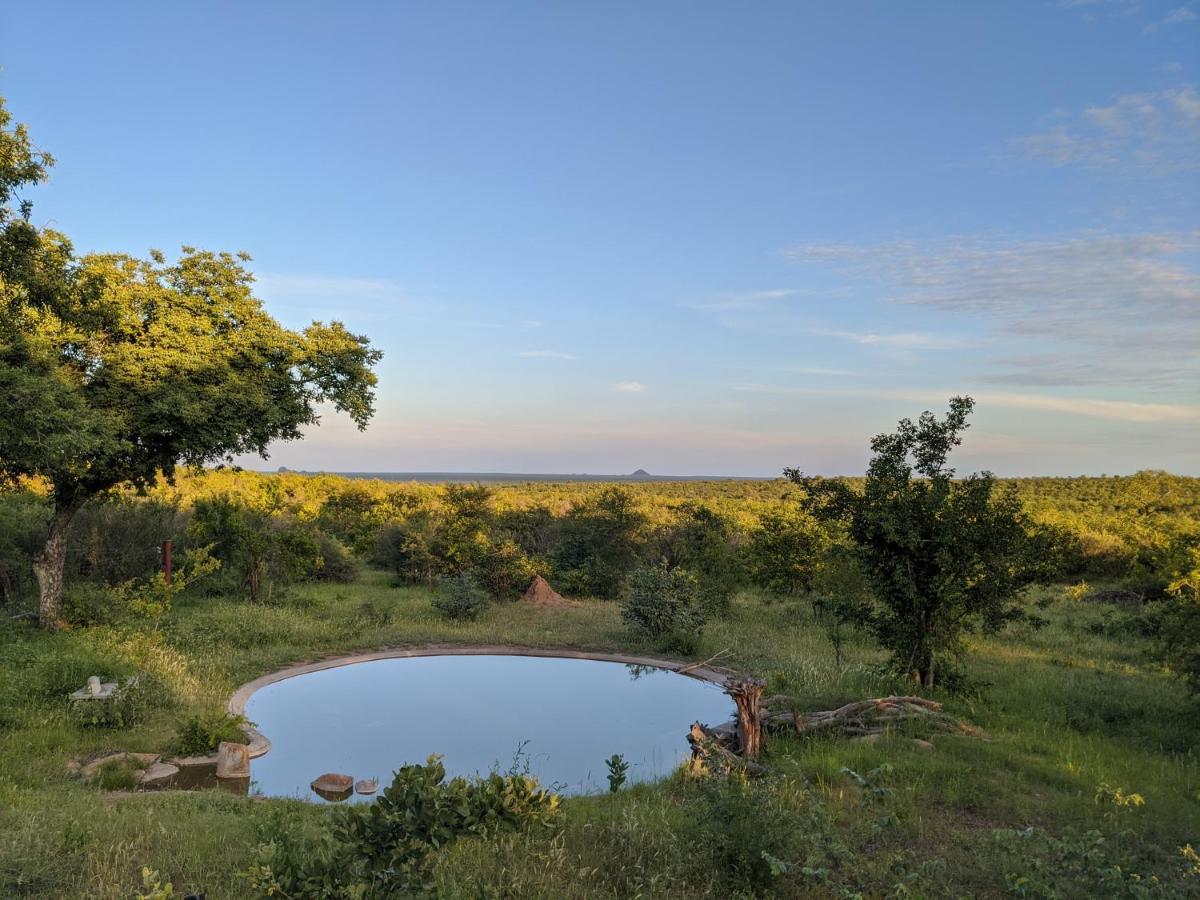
[[866, 717]]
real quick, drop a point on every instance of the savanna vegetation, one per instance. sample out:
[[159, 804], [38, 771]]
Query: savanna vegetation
[[1088, 784], [1060, 616]]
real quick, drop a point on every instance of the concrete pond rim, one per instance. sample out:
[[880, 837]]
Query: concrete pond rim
[[259, 744]]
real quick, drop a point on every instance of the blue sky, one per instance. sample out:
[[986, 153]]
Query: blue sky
[[691, 237]]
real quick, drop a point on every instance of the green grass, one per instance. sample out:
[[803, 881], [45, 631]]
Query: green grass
[[1066, 710]]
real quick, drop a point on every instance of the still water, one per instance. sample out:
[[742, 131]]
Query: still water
[[559, 718]]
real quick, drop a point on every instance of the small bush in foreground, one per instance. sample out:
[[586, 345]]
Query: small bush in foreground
[[461, 597], [666, 605], [388, 848], [125, 708]]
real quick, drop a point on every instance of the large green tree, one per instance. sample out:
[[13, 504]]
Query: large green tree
[[942, 556], [114, 370]]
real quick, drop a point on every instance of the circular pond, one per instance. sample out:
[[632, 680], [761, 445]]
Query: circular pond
[[557, 718]]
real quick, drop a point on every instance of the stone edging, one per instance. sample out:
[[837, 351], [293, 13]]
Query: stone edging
[[259, 744]]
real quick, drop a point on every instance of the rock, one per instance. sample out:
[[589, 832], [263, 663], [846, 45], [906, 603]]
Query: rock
[[333, 786], [233, 760], [367, 785], [159, 775]]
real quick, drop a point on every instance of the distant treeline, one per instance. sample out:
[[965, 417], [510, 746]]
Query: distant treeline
[[269, 530]]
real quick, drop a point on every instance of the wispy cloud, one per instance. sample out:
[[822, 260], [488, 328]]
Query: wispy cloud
[[745, 300], [630, 387], [904, 340], [1111, 303], [545, 354], [1177, 16], [1116, 410], [1152, 133]]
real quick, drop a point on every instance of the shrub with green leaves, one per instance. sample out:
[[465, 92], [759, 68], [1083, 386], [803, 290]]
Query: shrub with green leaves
[[461, 597], [786, 552], [203, 734], [387, 848], [125, 708], [666, 605]]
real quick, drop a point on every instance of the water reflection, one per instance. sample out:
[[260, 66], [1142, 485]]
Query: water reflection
[[558, 719]]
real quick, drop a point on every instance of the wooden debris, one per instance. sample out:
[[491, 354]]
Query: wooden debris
[[712, 753], [747, 696], [865, 717]]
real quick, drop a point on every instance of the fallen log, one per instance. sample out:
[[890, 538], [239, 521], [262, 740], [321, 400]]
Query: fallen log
[[712, 753], [863, 717]]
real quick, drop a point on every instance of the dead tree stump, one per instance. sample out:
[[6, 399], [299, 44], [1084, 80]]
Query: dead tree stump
[[747, 696]]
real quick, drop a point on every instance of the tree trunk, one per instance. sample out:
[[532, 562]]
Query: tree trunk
[[927, 678], [747, 696], [48, 566]]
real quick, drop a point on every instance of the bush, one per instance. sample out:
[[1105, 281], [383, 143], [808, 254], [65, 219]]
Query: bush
[[387, 848], [460, 597], [23, 520], [262, 552], [405, 548], [666, 605], [119, 538], [92, 603], [750, 829], [203, 734], [786, 552], [124, 709], [598, 544], [703, 542]]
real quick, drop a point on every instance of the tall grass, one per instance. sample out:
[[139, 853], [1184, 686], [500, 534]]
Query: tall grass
[[1067, 708]]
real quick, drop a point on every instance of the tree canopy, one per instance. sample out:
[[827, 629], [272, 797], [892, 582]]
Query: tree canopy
[[114, 369], [942, 556]]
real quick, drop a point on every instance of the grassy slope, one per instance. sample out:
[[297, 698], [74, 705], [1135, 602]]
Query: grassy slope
[[1067, 710]]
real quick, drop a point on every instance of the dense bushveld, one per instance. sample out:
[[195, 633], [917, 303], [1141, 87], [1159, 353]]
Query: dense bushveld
[[1138, 533], [1089, 784]]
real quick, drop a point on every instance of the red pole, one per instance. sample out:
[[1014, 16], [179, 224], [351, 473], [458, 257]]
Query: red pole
[[166, 561]]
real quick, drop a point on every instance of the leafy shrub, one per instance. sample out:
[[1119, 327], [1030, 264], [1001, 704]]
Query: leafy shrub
[[460, 597], [116, 539], [665, 604], [1077, 864], [785, 552], [598, 544], [23, 519], [504, 569], [125, 708], [387, 848], [405, 548], [153, 888], [703, 542], [748, 828], [618, 770], [92, 603], [262, 552], [201, 735]]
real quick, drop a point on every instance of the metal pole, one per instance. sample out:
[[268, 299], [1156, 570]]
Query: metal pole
[[166, 561]]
